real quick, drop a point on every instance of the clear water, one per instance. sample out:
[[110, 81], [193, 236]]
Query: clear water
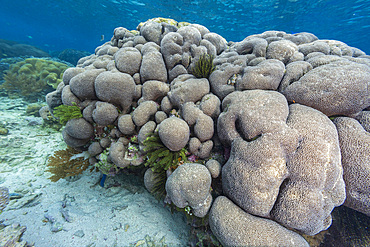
[[81, 24], [78, 24]]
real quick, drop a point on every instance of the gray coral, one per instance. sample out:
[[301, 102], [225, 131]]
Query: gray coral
[[286, 160]]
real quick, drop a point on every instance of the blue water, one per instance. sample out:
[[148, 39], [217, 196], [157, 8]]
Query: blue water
[[57, 25]]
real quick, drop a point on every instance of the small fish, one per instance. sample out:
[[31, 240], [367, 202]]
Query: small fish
[[102, 37], [29, 36]]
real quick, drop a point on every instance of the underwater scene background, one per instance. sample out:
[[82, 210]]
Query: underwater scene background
[[58, 25], [185, 123]]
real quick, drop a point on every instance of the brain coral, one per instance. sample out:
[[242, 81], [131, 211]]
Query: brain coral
[[33, 75], [344, 82], [262, 115], [354, 142]]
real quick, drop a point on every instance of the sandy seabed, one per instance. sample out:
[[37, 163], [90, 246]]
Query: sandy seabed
[[77, 211]]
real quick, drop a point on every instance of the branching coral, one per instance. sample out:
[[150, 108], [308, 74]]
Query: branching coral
[[159, 157], [203, 67], [67, 112], [32, 76], [66, 163]]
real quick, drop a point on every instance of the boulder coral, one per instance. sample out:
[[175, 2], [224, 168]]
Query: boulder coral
[[189, 185], [246, 229], [333, 82], [259, 153], [354, 143]]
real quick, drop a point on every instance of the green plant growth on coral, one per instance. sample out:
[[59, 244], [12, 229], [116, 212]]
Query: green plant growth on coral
[[67, 112], [159, 157], [66, 163], [159, 187], [104, 165], [32, 76], [203, 67]]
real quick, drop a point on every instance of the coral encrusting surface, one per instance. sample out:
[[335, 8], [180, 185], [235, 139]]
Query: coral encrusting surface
[[259, 143]]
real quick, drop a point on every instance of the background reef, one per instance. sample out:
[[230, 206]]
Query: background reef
[[33, 76], [343, 20], [274, 128]]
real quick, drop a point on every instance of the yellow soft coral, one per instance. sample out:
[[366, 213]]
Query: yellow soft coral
[[33, 75], [65, 163]]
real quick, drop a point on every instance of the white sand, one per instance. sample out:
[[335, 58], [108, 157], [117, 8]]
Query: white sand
[[122, 215]]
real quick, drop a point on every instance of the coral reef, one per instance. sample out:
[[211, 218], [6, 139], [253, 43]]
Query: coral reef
[[190, 186], [72, 56], [354, 141], [9, 48], [33, 76], [159, 157], [262, 104], [241, 230], [66, 163]]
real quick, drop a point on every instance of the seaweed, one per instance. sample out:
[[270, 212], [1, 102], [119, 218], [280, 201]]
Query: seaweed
[[159, 157], [159, 187], [67, 112], [66, 163], [204, 66]]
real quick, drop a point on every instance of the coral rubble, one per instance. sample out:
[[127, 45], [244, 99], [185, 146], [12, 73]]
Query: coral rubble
[[4, 198]]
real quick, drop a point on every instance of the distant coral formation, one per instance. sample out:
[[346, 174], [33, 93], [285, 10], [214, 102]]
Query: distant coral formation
[[72, 56], [9, 48], [263, 156], [32, 76]]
